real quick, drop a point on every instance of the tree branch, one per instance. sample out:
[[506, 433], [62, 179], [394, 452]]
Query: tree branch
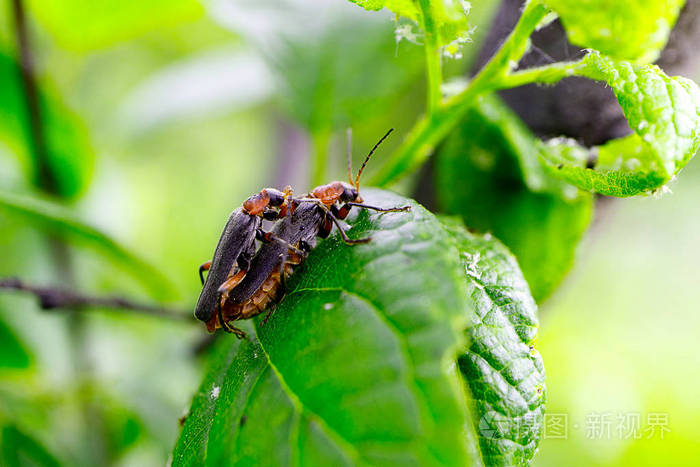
[[51, 298]]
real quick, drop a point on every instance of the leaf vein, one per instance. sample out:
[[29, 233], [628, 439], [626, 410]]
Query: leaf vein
[[342, 443]]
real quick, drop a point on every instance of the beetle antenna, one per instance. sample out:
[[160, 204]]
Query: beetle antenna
[[349, 149], [357, 179]]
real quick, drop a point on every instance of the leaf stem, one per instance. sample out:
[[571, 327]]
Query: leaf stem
[[544, 74], [432, 58], [431, 129]]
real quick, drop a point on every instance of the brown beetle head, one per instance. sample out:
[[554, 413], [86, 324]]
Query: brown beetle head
[[257, 203], [349, 194]]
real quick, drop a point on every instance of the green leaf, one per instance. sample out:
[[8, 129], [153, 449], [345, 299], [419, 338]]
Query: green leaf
[[17, 449], [664, 113], [70, 157], [487, 171], [624, 29], [120, 425], [324, 90], [85, 25], [504, 371], [449, 17], [62, 221], [356, 364], [13, 352]]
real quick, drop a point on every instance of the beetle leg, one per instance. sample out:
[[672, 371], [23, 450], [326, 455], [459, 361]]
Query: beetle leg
[[374, 208], [240, 333], [305, 248], [267, 315], [271, 214], [343, 235], [243, 260], [268, 237], [283, 278], [342, 212], [231, 282], [202, 268], [282, 287], [325, 229], [330, 215], [220, 314], [224, 289], [246, 256]]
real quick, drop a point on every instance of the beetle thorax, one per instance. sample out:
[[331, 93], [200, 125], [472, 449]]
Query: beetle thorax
[[335, 191]]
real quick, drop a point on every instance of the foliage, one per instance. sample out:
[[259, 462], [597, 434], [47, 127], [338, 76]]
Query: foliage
[[447, 20], [13, 352], [629, 30], [507, 379], [540, 218], [663, 110], [397, 307], [417, 348], [60, 220], [665, 116], [19, 449], [69, 155], [87, 25]]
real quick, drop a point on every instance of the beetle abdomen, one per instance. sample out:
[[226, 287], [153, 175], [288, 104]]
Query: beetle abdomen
[[268, 294]]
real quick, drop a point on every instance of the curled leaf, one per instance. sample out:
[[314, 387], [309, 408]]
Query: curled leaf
[[663, 112]]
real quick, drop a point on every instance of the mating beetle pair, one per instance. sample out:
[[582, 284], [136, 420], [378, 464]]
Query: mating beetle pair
[[242, 282]]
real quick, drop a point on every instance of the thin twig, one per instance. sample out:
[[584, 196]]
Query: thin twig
[[51, 298]]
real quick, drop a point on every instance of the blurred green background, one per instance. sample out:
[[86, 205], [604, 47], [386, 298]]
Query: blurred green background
[[166, 115]]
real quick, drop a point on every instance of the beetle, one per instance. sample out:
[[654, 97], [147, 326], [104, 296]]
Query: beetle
[[337, 198], [249, 293], [236, 245]]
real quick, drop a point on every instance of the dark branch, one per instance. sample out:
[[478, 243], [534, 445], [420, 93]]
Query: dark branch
[[51, 298], [46, 179]]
